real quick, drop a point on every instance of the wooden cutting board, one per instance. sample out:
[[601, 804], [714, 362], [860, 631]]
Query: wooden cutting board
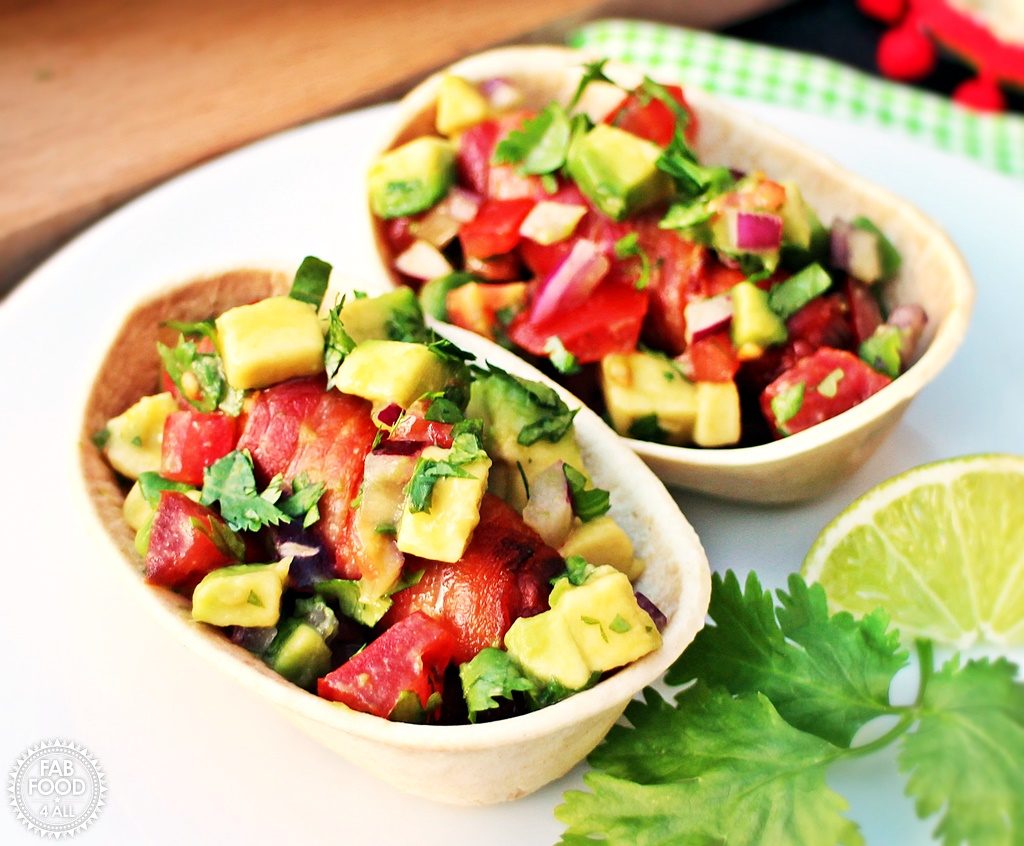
[[100, 99]]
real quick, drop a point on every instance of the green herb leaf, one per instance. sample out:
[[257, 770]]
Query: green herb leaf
[[825, 675], [592, 72], [351, 602], [151, 484], [788, 297], [577, 570], [231, 483], [692, 179], [561, 359], [786, 406], [552, 417], [185, 362], [628, 246], [385, 529], [465, 450], [302, 502], [712, 770], [619, 625], [965, 760], [882, 350], [491, 675], [540, 145], [195, 329], [657, 91], [829, 386], [890, 256], [442, 410], [337, 344], [647, 428], [310, 283], [586, 504], [688, 218]]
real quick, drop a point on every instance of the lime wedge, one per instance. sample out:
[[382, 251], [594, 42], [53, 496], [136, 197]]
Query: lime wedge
[[940, 547]]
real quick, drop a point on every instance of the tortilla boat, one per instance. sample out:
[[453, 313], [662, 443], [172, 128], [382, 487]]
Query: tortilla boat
[[464, 764], [934, 274]]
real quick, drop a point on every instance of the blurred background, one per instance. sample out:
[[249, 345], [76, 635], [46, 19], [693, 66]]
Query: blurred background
[[102, 99]]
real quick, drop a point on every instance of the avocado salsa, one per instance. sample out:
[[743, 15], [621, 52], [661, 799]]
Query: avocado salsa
[[377, 516], [689, 303]]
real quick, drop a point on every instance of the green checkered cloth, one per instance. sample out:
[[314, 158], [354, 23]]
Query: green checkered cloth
[[800, 81]]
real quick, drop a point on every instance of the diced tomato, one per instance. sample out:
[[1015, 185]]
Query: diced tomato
[[652, 119], [411, 655], [475, 306], [608, 322], [714, 358], [865, 313], [184, 543], [418, 430], [503, 575], [542, 259], [823, 322], [676, 268], [192, 442], [495, 229], [476, 146], [298, 428], [833, 381]]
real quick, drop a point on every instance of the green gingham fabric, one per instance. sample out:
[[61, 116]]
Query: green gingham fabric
[[800, 81]]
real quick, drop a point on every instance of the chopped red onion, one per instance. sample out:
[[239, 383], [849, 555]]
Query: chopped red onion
[[910, 320], [572, 281], [422, 260], [389, 414], [502, 94], [855, 251], [255, 639], [705, 317], [756, 232], [549, 509], [660, 620]]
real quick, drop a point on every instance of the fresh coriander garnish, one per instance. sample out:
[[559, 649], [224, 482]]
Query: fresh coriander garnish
[[628, 246], [310, 283], [540, 145], [586, 504]]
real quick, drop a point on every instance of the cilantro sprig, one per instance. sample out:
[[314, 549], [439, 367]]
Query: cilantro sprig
[[540, 145], [429, 471], [778, 693], [199, 377]]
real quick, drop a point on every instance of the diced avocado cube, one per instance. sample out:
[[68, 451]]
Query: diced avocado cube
[[459, 105], [507, 410], [136, 436], [269, 341], [800, 225], [639, 385], [136, 511], [443, 532], [300, 654], [543, 646], [411, 178], [718, 414], [380, 507], [605, 621], [392, 371], [434, 294], [241, 595], [618, 171], [602, 541], [142, 536], [753, 321], [368, 318]]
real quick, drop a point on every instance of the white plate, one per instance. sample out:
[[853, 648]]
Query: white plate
[[192, 757]]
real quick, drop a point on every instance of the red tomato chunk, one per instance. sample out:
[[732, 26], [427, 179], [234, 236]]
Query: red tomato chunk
[[192, 442], [182, 545], [495, 229], [411, 655]]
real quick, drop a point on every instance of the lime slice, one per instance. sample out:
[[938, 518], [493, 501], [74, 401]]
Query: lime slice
[[940, 547]]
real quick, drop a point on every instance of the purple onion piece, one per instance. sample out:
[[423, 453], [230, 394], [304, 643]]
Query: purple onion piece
[[910, 320], [389, 414], [757, 231], [390, 447], [312, 562], [839, 245], [660, 620], [254, 639]]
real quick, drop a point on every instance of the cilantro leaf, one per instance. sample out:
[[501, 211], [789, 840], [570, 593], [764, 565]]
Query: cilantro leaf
[[310, 283], [197, 328], [647, 428], [825, 675], [490, 675], [540, 145], [890, 256], [592, 72], [586, 504], [442, 409], [712, 770], [577, 570], [628, 246], [465, 450], [786, 405], [199, 377], [692, 179], [151, 484], [231, 482], [337, 344], [302, 502], [966, 757], [551, 417]]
